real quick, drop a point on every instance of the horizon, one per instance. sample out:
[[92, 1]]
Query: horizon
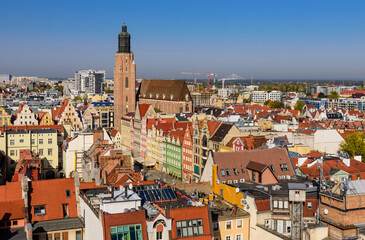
[[284, 40]]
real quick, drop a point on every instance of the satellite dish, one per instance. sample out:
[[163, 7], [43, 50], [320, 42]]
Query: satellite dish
[[325, 211], [237, 190], [130, 186]]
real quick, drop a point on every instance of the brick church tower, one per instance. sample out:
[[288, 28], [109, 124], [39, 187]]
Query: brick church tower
[[124, 78]]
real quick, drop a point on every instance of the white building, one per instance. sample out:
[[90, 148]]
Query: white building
[[25, 116], [90, 81], [274, 96], [262, 96]]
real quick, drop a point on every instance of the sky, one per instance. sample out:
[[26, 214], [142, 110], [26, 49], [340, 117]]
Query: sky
[[270, 39]]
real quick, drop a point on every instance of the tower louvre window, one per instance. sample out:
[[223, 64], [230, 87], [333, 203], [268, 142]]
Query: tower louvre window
[[126, 82]]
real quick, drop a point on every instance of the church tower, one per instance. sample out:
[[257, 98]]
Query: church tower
[[124, 78]]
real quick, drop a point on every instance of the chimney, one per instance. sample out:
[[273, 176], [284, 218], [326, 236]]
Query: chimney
[[126, 190], [75, 176]]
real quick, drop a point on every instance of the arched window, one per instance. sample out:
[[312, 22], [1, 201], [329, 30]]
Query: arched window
[[126, 82]]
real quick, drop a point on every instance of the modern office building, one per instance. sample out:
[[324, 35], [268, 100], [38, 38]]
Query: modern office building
[[90, 81]]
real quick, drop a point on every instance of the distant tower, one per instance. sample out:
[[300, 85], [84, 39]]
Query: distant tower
[[124, 78]]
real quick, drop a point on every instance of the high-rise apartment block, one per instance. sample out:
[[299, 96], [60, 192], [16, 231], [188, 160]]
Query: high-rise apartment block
[[89, 81], [124, 78]]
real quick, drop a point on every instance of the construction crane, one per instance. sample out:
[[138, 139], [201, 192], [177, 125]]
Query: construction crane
[[208, 74], [230, 77]]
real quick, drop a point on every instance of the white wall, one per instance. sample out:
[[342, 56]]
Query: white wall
[[327, 141], [93, 226]]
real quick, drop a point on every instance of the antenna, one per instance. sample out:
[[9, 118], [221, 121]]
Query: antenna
[[251, 79]]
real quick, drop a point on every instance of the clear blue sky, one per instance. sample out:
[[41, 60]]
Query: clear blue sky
[[273, 39]]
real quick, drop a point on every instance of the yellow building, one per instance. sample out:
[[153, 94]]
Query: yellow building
[[5, 116], [44, 142], [45, 118], [229, 222], [265, 125], [299, 148], [223, 148]]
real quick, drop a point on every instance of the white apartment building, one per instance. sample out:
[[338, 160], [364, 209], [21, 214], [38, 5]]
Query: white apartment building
[[262, 96], [90, 81]]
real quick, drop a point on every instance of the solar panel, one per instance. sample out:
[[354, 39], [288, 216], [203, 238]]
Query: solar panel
[[157, 194]]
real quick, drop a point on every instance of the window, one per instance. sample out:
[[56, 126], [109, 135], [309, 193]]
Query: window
[[228, 238], [284, 167], [227, 172], [21, 140], [68, 193], [50, 152], [158, 235], [235, 171], [275, 204], [65, 210], [12, 153], [189, 228], [126, 82], [40, 210], [12, 142], [253, 176], [215, 226], [267, 223], [280, 204], [32, 141], [228, 225], [79, 235], [122, 232], [239, 223], [40, 141], [40, 152], [239, 236], [309, 205], [288, 227], [358, 177], [49, 140], [223, 173], [57, 236], [286, 204]]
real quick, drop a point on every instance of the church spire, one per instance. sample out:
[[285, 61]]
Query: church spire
[[124, 41]]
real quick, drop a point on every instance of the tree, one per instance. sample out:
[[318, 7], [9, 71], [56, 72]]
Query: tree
[[276, 104], [299, 105], [77, 98], [85, 97], [354, 144], [107, 89], [59, 88], [267, 102], [334, 95], [321, 95]]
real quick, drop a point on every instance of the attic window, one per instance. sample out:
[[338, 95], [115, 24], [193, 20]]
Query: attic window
[[242, 170], [223, 173], [144, 95], [163, 96], [235, 171], [150, 95], [68, 193], [227, 172], [187, 97], [157, 95], [40, 210], [284, 167], [172, 96]]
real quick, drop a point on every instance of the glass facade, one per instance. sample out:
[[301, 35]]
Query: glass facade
[[129, 232]]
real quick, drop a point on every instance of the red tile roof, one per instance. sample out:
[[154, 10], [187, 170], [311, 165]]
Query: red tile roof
[[12, 210], [143, 109], [52, 194], [32, 127], [263, 205], [11, 191]]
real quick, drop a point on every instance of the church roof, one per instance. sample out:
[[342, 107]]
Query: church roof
[[162, 89]]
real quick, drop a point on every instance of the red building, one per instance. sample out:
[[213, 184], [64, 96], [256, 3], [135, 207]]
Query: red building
[[187, 148]]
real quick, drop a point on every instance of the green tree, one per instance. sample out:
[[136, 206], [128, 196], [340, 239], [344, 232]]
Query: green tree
[[354, 144], [85, 97], [276, 104], [59, 88], [267, 102], [77, 98], [321, 95], [107, 89], [299, 105], [334, 95]]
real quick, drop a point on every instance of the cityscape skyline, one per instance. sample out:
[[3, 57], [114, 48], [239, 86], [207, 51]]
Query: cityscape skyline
[[281, 40]]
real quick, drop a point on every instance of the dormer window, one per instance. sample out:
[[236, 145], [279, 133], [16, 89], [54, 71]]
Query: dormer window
[[157, 95], [150, 95], [172, 96], [144, 95], [163, 96], [187, 97]]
